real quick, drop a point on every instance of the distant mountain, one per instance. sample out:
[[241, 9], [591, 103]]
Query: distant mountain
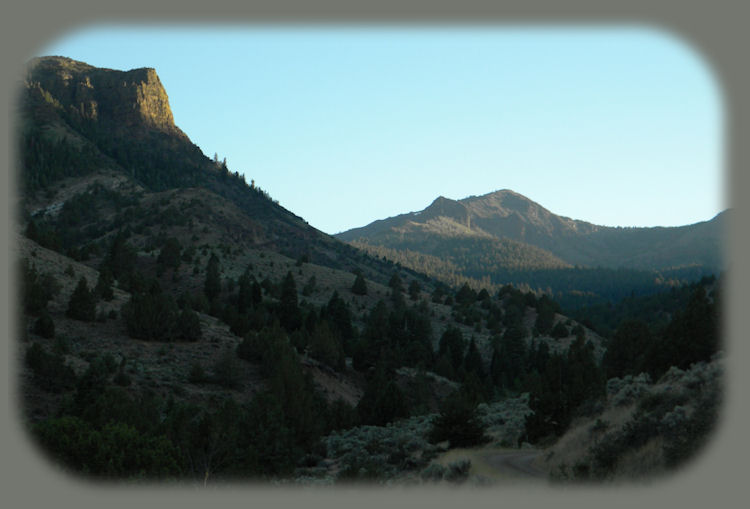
[[505, 238], [505, 215]]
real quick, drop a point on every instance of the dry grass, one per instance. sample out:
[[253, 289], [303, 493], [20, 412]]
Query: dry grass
[[642, 463]]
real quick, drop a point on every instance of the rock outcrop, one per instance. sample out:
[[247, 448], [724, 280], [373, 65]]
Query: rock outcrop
[[130, 100]]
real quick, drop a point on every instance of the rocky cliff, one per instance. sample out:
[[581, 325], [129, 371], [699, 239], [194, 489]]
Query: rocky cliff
[[123, 100]]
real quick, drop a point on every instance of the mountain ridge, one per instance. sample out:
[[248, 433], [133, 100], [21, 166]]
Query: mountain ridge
[[507, 214]]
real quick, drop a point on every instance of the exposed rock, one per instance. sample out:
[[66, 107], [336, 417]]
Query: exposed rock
[[124, 100]]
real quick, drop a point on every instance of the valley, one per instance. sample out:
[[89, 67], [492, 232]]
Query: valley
[[177, 323]]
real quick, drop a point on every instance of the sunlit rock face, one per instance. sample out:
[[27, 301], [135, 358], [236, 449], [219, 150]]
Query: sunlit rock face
[[130, 100]]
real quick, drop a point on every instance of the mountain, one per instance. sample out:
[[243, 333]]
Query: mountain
[[505, 214], [503, 237], [176, 322], [81, 125]]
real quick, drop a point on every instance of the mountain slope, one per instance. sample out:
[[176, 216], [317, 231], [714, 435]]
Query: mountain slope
[[505, 214], [78, 122]]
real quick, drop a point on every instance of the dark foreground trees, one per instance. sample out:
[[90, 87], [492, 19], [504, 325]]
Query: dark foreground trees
[[458, 422]]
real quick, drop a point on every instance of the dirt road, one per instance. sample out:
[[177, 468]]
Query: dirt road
[[499, 465], [522, 464]]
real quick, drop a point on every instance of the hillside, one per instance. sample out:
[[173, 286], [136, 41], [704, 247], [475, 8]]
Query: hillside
[[505, 214], [506, 238], [178, 324]]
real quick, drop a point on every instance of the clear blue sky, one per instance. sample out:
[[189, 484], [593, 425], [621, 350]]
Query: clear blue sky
[[346, 125]]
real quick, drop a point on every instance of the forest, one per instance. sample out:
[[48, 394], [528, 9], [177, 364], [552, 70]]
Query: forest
[[103, 430]]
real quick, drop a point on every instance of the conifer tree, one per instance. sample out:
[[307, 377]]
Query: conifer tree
[[103, 287], [82, 303], [360, 286], [120, 258], [458, 422], [414, 289], [212, 285], [189, 325], [289, 312], [169, 256], [45, 326], [473, 361]]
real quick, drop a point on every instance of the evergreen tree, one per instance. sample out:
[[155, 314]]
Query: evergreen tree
[[626, 350], [465, 295], [244, 292], [512, 351], [45, 326], [473, 361], [309, 287], [458, 422], [374, 338], [169, 256], [452, 345], [120, 259], [82, 303], [414, 289], [151, 315], [104, 282], [545, 318], [438, 295], [212, 285], [189, 325], [360, 286], [559, 331], [395, 283], [326, 347], [36, 289], [289, 312], [382, 401]]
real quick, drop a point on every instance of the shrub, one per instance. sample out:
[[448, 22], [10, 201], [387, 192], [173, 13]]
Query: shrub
[[559, 331], [50, 371], [458, 471], [433, 472], [197, 375], [45, 326], [122, 379], [37, 289], [226, 371]]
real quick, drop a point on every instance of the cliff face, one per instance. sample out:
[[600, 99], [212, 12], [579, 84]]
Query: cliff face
[[119, 99]]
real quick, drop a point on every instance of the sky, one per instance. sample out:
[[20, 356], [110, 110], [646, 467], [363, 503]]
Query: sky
[[344, 125]]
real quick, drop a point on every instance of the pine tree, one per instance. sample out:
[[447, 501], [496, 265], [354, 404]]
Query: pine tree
[[169, 256], [120, 259], [473, 361], [325, 346], [82, 303], [212, 285], [189, 325], [414, 289], [452, 344], [289, 312], [45, 326], [458, 422], [103, 287], [360, 286], [151, 315]]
